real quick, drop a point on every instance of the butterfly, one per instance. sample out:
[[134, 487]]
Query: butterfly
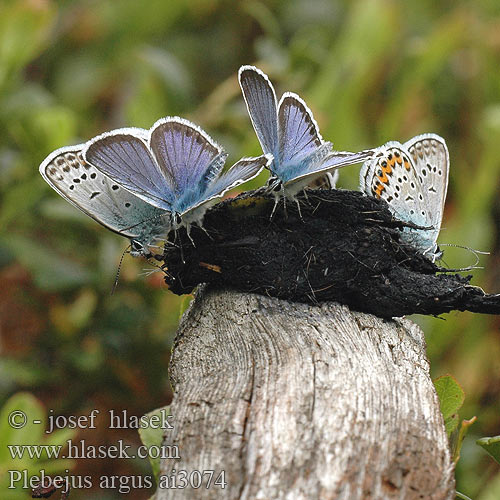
[[413, 179], [95, 194], [288, 131], [174, 166]]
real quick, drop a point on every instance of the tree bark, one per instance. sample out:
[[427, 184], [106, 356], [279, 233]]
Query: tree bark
[[300, 401]]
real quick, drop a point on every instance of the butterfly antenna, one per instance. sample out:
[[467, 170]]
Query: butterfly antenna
[[115, 284], [475, 252]]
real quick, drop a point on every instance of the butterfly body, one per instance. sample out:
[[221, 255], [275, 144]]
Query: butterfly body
[[413, 179], [174, 166], [102, 199], [287, 130]]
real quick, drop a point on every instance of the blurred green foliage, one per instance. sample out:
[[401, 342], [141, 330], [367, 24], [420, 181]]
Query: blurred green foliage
[[371, 70], [491, 445], [32, 434]]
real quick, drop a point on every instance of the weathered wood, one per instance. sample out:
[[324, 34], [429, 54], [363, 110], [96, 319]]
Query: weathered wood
[[299, 401]]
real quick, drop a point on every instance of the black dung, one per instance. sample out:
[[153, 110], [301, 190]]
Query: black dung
[[343, 247]]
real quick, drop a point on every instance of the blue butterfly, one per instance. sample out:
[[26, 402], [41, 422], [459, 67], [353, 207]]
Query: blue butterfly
[[175, 166], [288, 131], [413, 179], [104, 200]]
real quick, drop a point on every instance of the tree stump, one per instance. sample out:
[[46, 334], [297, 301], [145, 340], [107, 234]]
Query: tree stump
[[303, 401]]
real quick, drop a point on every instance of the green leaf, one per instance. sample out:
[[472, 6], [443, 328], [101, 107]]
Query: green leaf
[[451, 424], [185, 301], [464, 428], [154, 437], [491, 445], [451, 398]]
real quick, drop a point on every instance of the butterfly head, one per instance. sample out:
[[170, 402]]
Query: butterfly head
[[137, 248], [176, 219], [275, 186]]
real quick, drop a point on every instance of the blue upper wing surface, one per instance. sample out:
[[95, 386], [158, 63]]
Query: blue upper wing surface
[[125, 157], [185, 154], [260, 99], [299, 135]]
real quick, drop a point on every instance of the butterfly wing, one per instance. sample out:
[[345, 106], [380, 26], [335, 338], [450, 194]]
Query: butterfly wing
[[392, 176], [298, 132], [327, 181], [260, 99], [242, 171], [124, 156], [431, 159], [99, 197], [187, 155], [328, 163], [303, 153]]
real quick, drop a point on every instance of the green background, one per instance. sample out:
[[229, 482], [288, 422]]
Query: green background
[[371, 70]]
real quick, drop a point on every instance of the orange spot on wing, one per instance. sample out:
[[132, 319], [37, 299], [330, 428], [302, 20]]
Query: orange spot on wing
[[379, 190], [383, 178]]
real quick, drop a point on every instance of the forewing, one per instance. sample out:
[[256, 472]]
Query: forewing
[[298, 133], [184, 152], [95, 194], [431, 159], [123, 155], [260, 99]]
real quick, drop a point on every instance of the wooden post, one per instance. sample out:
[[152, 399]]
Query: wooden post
[[299, 401]]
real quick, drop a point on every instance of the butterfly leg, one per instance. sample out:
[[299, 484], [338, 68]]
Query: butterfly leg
[[188, 232], [276, 201], [205, 231], [284, 208], [298, 208], [180, 245]]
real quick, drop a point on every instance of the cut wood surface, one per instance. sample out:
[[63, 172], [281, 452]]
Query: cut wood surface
[[296, 401]]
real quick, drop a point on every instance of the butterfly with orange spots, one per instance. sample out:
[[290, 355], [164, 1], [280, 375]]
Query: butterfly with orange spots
[[413, 179]]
